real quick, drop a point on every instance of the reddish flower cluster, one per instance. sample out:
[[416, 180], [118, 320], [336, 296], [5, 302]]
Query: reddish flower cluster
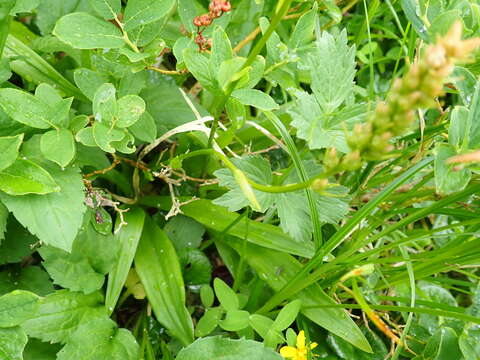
[[216, 9]]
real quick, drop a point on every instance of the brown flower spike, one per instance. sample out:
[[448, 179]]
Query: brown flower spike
[[216, 9]]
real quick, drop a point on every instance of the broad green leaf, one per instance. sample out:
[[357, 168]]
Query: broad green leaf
[[469, 341], [130, 109], [30, 278], [93, 255], [12, 343], [208, 322], [227, 297], [9, 146], [199, 65], [38, 350], [332, 67], [142, 12], [61, 313], [126, 144], [322, 129], [184, 232], [459, 129], [159, 270], [62, 210], [89, 81], [100, 339], [255, 98], [105, 135], [24, 6], [17, 307], [196, 266], [187, 10], [48, 94], [294, 215], [105, 106], [128, 237], [276, 268], [235, 320], [25, 108], [17, 244], [443, 22], [216, 348], [413, 13], [58, 146], [85, 137], [443, 345], [218, 218], [207, 296], [448, 180], [26, 177], [108, 9], [78, 123], [84, 31], [5, 71]]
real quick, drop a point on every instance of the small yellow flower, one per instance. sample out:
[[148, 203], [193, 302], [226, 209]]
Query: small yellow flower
[[300, 351]]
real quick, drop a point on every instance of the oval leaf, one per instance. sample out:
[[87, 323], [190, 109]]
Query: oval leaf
[[84, 31], [25, 108], [9, 146], [58, 146], [255, 98]]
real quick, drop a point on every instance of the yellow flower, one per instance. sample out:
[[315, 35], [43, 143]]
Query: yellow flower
[[300, 351]]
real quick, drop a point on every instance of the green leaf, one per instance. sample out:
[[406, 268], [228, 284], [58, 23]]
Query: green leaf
[[100, 339], [93, 255], [235, 320], [130, 109], [447, 180], [24, 6], [26, 177], [38, 350], [105, 106], [12, 343], [17, 307], [332, 67], [84, 31], [303, 31], [158, 267], [207, 295], [321, 129], [108, 9], [469, 341], [287, 315], [62, 210], [255, 98], [208, 322], [443, 345], [458, 132], [25, 108], [184, 232], [412, 12], [215, 348], [9, 146], [128, 238], [276, 268], [58, 146], [196, 266], [221, 48], [199, 65], [227, 297], [89, 81], [142, 12], [105, 135], [31, 278], [18, 242], [61, 313], [218, 218]]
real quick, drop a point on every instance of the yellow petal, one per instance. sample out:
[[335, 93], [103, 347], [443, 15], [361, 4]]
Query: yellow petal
[[288, 352], [313, 345], [301, 340]]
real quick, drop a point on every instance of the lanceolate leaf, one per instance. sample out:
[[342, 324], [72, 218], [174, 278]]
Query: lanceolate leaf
[[158, 267], [128, 238]]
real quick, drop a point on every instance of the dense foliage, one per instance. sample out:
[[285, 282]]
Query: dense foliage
[[244, 179]]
